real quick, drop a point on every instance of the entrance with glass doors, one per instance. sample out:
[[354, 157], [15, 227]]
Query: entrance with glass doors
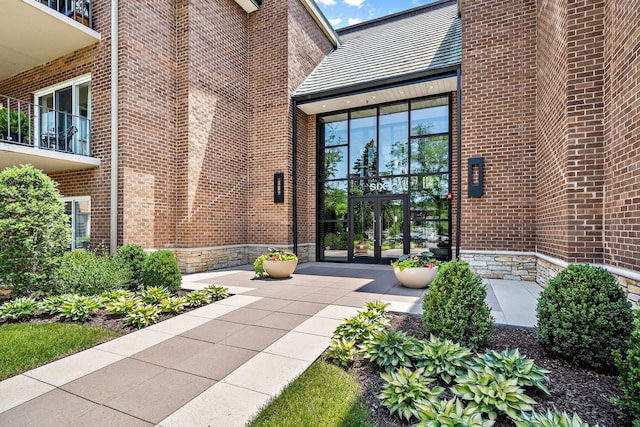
[[378, 232]]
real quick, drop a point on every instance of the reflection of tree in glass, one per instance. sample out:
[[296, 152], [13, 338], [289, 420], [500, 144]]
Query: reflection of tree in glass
[[332, 158], [335, 200], [429, 153], [397, 164], [367, 164]]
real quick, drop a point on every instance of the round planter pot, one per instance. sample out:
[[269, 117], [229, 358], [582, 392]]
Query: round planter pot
[[415, 277], [280, 269]]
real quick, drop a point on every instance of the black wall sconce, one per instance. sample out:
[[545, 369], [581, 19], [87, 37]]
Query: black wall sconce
[[476, 166], [278, 187]]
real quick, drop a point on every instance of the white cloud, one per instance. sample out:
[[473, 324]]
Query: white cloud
[[353, 21], [355, 3], [335, 22], [327, 2]]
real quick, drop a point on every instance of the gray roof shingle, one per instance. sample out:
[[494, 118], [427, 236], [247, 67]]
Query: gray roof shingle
[[420, 40]]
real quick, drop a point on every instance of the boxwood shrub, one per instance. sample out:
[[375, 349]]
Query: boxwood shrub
[[161, 269], [583, 315]]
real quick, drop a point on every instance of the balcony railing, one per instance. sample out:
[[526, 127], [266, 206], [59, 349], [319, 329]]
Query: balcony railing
[[78, 10], [40, 127]]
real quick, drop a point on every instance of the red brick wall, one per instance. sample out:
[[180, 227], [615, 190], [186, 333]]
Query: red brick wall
[[96, 61], [622, 134], [570, 129], [147, 123], [552, 211], [213, 122], [498, 123]]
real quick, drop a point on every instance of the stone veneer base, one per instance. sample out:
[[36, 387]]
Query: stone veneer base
[[538, 268]]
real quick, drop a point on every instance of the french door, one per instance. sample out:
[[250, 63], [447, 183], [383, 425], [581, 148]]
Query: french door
[[378, 230]]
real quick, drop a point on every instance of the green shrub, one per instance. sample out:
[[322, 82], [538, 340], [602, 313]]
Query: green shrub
[[342, 351], [34, 230], [216, 293], [18, 309], [583, 315], [404, 388], [628, 364], [135, 257], [161, 269], [454, 307], [87, 273], [197, 298], [52, 304]]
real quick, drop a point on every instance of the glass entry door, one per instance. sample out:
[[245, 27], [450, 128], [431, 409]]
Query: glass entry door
[[378, 232]]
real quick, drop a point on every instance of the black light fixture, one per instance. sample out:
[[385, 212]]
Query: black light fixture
[[278, 187], [476, 166]]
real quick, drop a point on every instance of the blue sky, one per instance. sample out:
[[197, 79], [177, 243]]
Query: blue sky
[[342, 13]]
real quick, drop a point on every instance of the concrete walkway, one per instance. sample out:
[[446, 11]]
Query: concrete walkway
[[219, 364]]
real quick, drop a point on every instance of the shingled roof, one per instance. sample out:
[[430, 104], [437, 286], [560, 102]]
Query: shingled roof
[[419, 40]]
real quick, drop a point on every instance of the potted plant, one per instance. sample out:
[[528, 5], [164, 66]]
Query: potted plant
[[278, 263], [9, 121], [416, 270]]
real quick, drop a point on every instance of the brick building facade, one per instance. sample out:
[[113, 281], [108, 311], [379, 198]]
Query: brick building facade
[[214, 98]]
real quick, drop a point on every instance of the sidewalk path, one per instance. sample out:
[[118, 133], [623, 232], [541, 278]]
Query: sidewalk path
[[219, 364]]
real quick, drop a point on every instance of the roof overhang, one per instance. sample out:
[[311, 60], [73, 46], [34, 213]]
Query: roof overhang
[[249, 5], [387, 91], [32, 34], [45, 160]]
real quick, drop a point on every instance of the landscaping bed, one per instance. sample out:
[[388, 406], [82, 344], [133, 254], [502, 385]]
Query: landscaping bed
[[572, 389]]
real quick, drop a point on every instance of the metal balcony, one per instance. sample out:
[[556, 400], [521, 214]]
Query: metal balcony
[[34, 32], [48, 139]]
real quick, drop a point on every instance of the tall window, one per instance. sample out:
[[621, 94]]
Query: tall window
[[63, 116], [400, 148], [79, 209]]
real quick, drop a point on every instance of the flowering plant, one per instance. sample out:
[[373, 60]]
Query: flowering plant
[[273, 255], [421, 260]]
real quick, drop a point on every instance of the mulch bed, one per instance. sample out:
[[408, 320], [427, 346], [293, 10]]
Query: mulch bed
[[572, 390]]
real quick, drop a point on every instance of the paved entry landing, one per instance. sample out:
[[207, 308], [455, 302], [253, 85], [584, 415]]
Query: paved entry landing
[[219, 364]]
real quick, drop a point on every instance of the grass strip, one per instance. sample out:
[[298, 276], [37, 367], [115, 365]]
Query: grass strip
[[25, 346], [324, 395]]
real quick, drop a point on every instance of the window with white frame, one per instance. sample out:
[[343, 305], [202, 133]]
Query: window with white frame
[[63, 116], [79, 210]]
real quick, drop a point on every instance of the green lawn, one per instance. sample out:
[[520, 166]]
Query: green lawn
[[324, 395], [24, 346]]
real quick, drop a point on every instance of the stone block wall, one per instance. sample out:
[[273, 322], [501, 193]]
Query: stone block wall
[[506, 265]]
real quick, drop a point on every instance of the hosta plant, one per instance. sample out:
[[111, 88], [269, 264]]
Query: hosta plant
[[376, 309], [551, 419], [18, 309], [78, 307], [154, 294], [442, 358], [115, 294], [358, 328], [512, 364], [122, 306], [404, 388], [389, 349], [216, 293], [197, 298], [173, 304], [450, 413], [52, 304], [342, 351], [492, 393], [142, 315]]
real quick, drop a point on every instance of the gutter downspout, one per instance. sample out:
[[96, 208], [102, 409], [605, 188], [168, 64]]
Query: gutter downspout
[[294, 179], [113, 206], [459, 138]]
